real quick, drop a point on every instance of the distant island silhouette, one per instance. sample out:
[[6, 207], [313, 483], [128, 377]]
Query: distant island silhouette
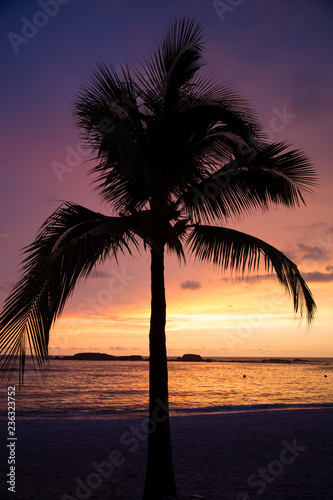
[[97, 356], [190, 357]]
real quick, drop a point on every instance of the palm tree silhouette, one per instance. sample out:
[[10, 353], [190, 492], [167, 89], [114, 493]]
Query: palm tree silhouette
[[178, 155]]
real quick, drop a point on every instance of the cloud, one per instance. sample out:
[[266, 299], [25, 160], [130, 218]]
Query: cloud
[[305, 227], [53, 200], [260, 277], [313, 252], [314, 277], [317, 277], [119, 348], [97, 274], [190, 285], [257, 277]]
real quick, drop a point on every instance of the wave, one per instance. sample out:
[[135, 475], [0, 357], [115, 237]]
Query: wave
[[252, 407], [112, 413], [77, 415]]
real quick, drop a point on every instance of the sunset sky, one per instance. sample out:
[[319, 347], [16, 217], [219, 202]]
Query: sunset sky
[[276, 54]]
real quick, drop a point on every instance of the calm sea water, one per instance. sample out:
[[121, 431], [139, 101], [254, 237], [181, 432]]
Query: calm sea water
[[106, 389]]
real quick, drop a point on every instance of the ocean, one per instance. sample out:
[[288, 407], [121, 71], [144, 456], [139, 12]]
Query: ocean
[[119, 389]]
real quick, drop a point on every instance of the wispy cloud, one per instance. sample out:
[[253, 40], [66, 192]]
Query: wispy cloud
[[120, 348], [190, 285], [309, 228], [318, 277], [313, 252], [97, 274], [257, 278]]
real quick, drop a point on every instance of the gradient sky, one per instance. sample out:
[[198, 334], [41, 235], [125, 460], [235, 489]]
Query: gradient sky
[[276, 54]]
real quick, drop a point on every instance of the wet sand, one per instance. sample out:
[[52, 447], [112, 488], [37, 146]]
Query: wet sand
[[285, 454]]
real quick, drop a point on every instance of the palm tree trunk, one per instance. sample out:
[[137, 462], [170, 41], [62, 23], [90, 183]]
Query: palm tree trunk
[[160, 481]]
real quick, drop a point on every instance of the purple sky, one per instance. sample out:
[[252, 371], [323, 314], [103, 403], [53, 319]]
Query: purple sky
[[277, 54]]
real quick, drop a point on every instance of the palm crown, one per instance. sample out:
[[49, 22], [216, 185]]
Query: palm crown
[[178, 155]]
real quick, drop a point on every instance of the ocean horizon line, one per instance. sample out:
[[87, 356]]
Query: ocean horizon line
[[175, 357]]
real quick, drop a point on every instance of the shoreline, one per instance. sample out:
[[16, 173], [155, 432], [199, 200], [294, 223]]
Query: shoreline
[[182, 413], [218, 456]]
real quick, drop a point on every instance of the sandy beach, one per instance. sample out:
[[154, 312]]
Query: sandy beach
[[242, 456]]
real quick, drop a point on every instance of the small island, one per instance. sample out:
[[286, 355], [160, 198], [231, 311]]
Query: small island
[[97, 356], [277, 360], [190, 357], [93, 356]]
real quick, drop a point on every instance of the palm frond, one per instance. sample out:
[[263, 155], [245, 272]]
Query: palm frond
[[166, 75], [228, 248], [159, 129], [107, 113], [68, 246], [256, 178], [175, 238]]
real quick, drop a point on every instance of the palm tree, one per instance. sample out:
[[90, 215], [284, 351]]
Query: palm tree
[[178, 155]]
